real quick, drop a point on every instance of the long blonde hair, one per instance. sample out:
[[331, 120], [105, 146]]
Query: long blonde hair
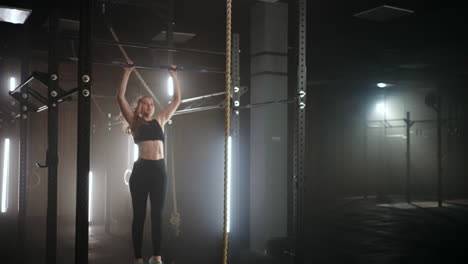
[[132, 129]]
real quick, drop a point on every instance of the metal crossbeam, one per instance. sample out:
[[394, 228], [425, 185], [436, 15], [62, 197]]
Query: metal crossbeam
[[157, 47], [151, 67], [202, 97]]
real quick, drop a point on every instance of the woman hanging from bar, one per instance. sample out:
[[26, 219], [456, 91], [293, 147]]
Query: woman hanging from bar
[[148, 176]]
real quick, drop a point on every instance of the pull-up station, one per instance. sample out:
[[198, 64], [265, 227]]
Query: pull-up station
[[40, 91], [35, 99]]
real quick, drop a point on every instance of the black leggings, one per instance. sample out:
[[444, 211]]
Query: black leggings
[[148, 177]]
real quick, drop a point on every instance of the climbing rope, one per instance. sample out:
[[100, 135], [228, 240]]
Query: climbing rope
[[175, 216], [227, 125]]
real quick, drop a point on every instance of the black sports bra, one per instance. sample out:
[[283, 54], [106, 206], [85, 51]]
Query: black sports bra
[[149, 130]]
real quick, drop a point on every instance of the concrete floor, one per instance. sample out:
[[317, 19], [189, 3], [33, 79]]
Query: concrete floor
[[357, 231], [369, 231]]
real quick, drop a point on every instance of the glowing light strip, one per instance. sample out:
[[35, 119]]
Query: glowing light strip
[[170, 86], [12, 83], [135, 152], [6, 163], [127, 172], [380, 108], [229, 161], [14, 15], [90, 199]]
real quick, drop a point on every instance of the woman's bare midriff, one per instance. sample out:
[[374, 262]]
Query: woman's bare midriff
[[151, 150]]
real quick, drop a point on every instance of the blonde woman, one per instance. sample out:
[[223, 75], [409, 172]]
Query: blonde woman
[[148, 176]]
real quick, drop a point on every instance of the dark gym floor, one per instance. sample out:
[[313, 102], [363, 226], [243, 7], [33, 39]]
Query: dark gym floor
[[362, 231], [370, 231]]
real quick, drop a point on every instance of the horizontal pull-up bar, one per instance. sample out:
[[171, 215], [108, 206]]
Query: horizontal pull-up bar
[[157, 47], [220, 106], [402, 120], [144, 4], [202, 97], [283, 101], [191, 99], [152, 67], [185, 111], [198, 109]]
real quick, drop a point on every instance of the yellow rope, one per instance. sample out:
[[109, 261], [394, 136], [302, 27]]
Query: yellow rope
[[227, 125]]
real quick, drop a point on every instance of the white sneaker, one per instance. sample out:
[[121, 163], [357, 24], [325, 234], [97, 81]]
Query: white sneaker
[[152, 261]]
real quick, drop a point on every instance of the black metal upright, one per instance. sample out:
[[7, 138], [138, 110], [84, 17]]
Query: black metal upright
[[108, 182], [236, 93], [409, 123], [23, 150], [299, 132], [52, 121], [439, 149], [84, 124], [170, 31], [236, 192], [365, 170]]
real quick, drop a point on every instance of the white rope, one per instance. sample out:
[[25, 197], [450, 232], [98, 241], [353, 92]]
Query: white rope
[[175, 219]]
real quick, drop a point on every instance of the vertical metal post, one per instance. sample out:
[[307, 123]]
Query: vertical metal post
[[22, 186], [408, 157], [439, 149], [234, 190], [52, 149], [384, 186], [235, 80], [170, 31], [84, 118], [108, 182], [107, 202], [23, 150], [365, 171], [299, 135], [235, 131]]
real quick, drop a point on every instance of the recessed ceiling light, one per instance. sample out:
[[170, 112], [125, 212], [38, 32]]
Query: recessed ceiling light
[[177, 37], [384, 13], [14, 15]]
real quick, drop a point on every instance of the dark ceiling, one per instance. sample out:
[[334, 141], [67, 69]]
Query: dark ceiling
[[431, 39], [136, 21], [339, 44]]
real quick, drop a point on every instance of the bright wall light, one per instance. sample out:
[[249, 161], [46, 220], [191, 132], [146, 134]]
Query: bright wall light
[[135, 152], [90, 198], [229, 166], [5, 175], [12, 83], [382, 85], [14, 15], [380, 108], [132, 154], [170, 86], [127, 174]]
